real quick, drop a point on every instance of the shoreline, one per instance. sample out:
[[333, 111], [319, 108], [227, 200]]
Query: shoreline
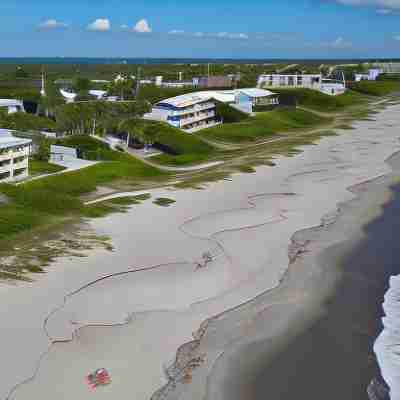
[[219, 384], [290, 204]]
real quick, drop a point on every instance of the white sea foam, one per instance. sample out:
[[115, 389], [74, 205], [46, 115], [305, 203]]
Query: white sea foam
[[387, 346]]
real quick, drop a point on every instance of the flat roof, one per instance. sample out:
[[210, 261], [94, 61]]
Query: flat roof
[[185, 100], [254, 92], [8, 140]]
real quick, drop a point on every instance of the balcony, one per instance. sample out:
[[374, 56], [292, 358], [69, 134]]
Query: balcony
[[196, 108], [202, 116], [5, 168], [203, 126], [6, 156]]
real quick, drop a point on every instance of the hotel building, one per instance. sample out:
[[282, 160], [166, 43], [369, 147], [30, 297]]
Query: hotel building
[[14, 154], [189, 112]]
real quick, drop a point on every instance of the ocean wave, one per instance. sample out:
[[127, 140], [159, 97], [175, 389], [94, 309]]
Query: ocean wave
[[387, 346]]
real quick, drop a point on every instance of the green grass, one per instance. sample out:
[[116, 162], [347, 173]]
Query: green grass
[[164, 201], [318, 101], [264, 125], [119, 204], [42, 167], [47, 200], [187, 148], [376, 88]]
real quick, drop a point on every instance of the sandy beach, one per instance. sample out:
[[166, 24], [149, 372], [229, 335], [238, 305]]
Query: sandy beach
[[130, 310]]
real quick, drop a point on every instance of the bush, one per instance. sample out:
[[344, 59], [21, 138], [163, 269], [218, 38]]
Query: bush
[[230, 114]]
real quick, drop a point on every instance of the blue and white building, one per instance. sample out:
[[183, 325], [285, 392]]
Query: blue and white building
[[14, 154], [248, 100], [189, 112]]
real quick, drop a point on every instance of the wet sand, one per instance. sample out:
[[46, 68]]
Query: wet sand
[[333, 355], [131, 310]]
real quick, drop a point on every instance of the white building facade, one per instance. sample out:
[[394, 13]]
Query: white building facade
[[311, 81], [189, 112], [14, 155], [12, 106], [308, 81]]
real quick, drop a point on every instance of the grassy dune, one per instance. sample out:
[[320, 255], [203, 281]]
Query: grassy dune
[[376, 88], [322, 102], [265, 125]]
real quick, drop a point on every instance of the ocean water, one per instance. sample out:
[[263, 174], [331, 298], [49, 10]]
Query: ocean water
[[339, 355], [387, 346], [105, 60]]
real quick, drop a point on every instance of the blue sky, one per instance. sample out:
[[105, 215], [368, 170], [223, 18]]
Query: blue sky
[[202, 28]]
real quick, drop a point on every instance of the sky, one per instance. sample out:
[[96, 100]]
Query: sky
[[200, 29]]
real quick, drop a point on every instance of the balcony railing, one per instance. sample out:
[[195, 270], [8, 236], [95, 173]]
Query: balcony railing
[[200, 117], [196, 108]]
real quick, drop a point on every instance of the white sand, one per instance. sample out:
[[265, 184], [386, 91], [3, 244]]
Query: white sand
[[246, 224]]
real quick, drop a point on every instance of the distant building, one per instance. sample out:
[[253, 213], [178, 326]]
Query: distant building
[[248, 100], [12, 106], [62, 153], [308, 81], [189, 112], [311, 81], [14, 154], [372, 75], [218, 81]]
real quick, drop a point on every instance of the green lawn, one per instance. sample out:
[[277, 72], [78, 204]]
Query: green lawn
[[318, 101], [186, 148], [376, 88], [42, 167], [264, 125], [47, 200]]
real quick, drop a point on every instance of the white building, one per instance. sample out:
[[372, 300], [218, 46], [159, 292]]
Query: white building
[[12, 106], [14, 154], [308, 81], [249, 100], [311, 81], [189, 112], [372, 75]]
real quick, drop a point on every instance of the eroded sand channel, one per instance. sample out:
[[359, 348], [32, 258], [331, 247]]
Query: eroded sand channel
[[245, 224]]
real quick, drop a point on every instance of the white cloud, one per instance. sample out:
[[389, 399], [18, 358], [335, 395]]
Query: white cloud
[[382, 4], [52, 24], [176, 32], [227, 35], [100, 25], [142, 26], [340, 43], [199, 34], [396, 37]]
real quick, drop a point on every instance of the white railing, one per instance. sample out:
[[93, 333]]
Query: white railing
[[197, 118], [6, 168], [202, 126], [196, 108], [6, 156]]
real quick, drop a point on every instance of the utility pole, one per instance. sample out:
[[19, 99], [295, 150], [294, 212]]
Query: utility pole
[[137, 83], [43, 89]]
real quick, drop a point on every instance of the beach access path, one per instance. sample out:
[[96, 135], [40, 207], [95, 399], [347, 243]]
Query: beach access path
[[131, 309]]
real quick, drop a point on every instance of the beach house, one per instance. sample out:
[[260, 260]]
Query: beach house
[[189, 112], [14, 154], [253, 100]]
